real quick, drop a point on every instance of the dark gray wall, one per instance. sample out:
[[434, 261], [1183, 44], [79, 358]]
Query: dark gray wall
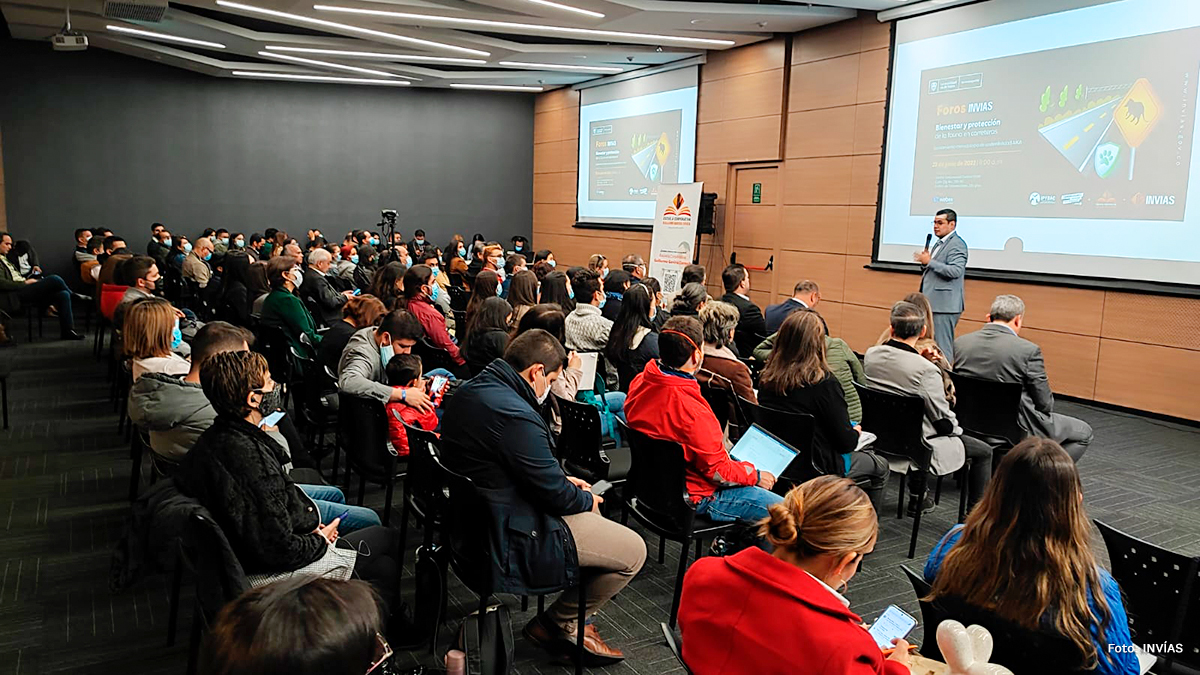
[[98, 138]]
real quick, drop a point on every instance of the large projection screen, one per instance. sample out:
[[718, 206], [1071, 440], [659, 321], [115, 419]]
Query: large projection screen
[[1063, 135]]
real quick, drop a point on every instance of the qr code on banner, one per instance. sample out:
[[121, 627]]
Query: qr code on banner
[[670, 281]]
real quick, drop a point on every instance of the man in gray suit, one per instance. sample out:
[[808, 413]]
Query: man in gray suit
[[942, 278], [997, 352], [897, 367]]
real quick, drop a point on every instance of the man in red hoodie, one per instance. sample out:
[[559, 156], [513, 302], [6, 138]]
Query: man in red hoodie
[[664, 402]]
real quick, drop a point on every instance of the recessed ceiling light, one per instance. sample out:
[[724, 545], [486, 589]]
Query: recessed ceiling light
[[355, 29], [163, 36], [327, 64], [487, 23], [495, 87], [317, 78], [375, 55], [577, 10], [559, 66]]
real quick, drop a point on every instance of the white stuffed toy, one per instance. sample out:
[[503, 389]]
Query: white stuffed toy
[[967, 649]]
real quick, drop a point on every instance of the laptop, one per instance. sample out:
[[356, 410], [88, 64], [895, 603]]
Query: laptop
[[764, 450]]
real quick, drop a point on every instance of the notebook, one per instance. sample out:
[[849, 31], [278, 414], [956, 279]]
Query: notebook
[[762, 449], [588, 362]]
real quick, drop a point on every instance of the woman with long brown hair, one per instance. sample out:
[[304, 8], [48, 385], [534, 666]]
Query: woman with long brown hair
[[797, 379], [151, 336], [487, 285], [1025, 555], [522, 294]]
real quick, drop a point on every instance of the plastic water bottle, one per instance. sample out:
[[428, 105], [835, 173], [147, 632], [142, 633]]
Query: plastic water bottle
[[456, 662]]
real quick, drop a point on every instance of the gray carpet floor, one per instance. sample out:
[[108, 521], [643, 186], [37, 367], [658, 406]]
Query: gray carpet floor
[[64, 476]]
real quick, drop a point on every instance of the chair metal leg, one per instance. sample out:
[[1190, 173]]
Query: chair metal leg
[[176, 582], [403, 534], [524, 603], [4, 396], [683, 561], [362, 487], [541, 604], [900, 502], [387, 501], [194, 640], [937, 492], [698, 544], [912, 541], [963, 481], [579, 632]]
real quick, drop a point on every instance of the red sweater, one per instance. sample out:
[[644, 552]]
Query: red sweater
[[398, 411], [668, 405], [753, 614], [435, 326]]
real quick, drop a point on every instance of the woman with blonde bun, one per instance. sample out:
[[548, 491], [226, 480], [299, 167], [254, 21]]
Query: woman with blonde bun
[[762, 613]]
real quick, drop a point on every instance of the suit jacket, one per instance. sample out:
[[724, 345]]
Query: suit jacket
[[996, 353], [942, 278], [750, 327], [9, 302], [317, 290], [899, 369], [776, 314]]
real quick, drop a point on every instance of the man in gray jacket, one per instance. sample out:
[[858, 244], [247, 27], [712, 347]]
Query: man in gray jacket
[[997, 352], [361, 369], [942, 272]]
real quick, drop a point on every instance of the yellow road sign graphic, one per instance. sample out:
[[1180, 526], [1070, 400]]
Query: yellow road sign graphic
[[1137, 113]]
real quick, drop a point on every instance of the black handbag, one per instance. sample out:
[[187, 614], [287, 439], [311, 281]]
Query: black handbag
[[487, 641]]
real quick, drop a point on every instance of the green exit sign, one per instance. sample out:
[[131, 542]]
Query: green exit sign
[[756, 195]]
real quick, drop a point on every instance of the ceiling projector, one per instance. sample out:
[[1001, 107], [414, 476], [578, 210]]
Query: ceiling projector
[[69, 41]]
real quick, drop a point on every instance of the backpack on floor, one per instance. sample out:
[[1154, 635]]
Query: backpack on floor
[[487, 641]]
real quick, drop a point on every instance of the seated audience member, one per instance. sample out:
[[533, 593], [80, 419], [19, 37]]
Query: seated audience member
[[690, 300], [805, 296], [235, 299], [842, 361], [598, 264], [287, 312], [82, 252], [634, 266], [997, 352], [404, 371], [545, 255], [140, 273], [221, 242], [797, 379], [361, 368], [615, 285], [155, 248], [757, 613], [476, 260], [486, 285], [359, 312], [365, 269], [520, 246], [503, 444], [151, 335], [897, 367], [442, 298], [273, 524], [751, 328], [556, 290], [927, 345], [108, 270], [196, 263], [512, 264], [388, 283], [1030, 531], [162, 252], [317, 289], [455, 248], [721, 368], [692, 274], [587, 329], [550, 318], [113, 245], [632, 342], [419, 246], [342, 266], [420, 291], [89, 270], [25, 259], [664, 402], [522, 294], [17, 291], [254, 247], [180, 248], [292, 251], [489, 334], [456, 273]]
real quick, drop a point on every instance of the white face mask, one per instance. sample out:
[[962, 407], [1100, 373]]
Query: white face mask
[[541, 398], [297, 277]]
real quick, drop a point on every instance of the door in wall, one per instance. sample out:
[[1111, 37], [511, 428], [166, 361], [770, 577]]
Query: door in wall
[[752, 221]]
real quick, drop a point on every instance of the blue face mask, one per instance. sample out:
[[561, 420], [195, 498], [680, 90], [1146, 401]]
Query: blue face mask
[[176, 336], [166, 242], [435, 271], [240, 243], [208, 256], [604, 273], [570, 292], [603, 299], [385, 354], [420, 242], [224, 241], [552, 263], [354, 259], [437, 291], [499, 289], [374, 241], [187, 247], [462, 252], [517, 248], [408, 261]]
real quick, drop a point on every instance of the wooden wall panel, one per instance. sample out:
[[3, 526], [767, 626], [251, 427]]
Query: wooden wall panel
[[875, 288], [714, 177], [757, 227], [1149, 377], [839, 39], [828, 270], [1066, 310], [818, 229], [860, 233], [824, 84], [864, 180], [1070, 360], [1152, 319], [861, 325], [872, 75], [826, 132], [744, 61], [817, 182], [744, 140]]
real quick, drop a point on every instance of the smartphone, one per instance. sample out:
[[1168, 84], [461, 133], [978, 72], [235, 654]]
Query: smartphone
[[342, 518], [892, 624], [272, 419], [600, 487], [358, 291], [437, 383]]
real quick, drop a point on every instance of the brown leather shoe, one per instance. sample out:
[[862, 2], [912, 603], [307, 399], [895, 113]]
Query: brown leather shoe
[[561, 644]]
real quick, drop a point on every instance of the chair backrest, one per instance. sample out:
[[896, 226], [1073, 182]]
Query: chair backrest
[[110, 297], [219, 576], [362, 425], [459, 297], [465, 528], [988, 409], [432, 356], [580, 445], [421, 484], [273, 343], [1160, 589], [625, 374], [897, 420], [1019, 649], [795, 429], [718, 400], [657, 481]]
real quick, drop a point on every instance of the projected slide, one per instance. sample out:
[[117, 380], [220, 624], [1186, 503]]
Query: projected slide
[[631, 156], [1064, 141]]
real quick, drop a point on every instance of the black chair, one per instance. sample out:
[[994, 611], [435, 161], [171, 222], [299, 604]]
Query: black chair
[[363, 433], [581, 445], [139, 445], [1021, 650], [675, 644], [459, 297], [1161, 592], [718, 400], [656, 494], [466, 532], [316, 403], [6, 368], [795, 429], [423, 497], [989, 411], [220, 579], [433, 356], [273, 343], [897, 420]]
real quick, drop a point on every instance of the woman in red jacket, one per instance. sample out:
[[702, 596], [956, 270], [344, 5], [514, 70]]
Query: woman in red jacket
[[760, 613]]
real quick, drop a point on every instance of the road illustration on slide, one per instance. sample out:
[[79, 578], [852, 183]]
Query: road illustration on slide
[[1079, 135]]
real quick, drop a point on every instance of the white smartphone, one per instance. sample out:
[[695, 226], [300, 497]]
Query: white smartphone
[[600, 487], [894, 623], [272, 419]]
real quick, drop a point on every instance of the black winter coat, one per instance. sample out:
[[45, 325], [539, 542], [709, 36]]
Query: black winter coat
[[236, 471], [505, 447]]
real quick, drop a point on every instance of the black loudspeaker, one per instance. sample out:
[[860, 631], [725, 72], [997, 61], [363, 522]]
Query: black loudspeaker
[[704, 224]]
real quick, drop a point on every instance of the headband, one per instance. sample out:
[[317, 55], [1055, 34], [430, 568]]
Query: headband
[[685, 337]]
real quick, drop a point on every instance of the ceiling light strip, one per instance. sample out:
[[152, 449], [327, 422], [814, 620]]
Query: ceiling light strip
[[511, 25], [495, 87], [559, 66], [376, 55], [568, 8], [318, 78], [347, 27], [163, 36], [327, 64]]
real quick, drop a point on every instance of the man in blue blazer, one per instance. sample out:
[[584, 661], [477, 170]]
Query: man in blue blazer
[[942, 279]]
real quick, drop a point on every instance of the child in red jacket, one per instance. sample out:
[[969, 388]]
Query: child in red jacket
[[404, 370]]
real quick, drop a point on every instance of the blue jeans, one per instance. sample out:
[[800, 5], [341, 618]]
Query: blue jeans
[[332, 503], [747, 504], [615, 400]]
